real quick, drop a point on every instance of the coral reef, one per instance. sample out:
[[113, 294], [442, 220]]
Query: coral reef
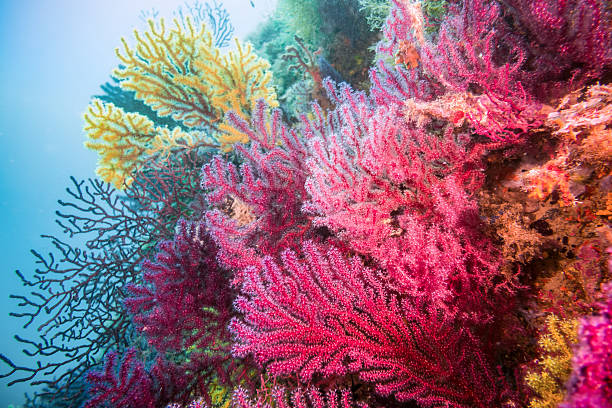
[[437, 236]]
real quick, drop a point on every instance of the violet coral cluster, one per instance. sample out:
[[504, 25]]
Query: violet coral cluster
[[352, 255]]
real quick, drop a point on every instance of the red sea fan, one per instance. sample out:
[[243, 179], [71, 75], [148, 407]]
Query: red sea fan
[[402, 196], [129, 387], [269, 187], [189, 302], [300, 398], [463, 59], [506, 57], [328, 315], [568, 42], [185, 313]]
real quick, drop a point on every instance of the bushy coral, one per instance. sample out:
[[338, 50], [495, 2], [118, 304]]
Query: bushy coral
[[181, 73], [401, 195], [478, 54], [323, 313], [555, 363], [126, 387], [590, 385], [391, 245], [188, 304]]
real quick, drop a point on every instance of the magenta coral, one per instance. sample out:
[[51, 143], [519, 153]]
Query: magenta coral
[[188, 303], [568, 42], [300, 398], [186, 310], [401, 195], [509, 56], [327, 315], [464, 59], [129, 387], [269, 185], [183, 315], [591, 383]]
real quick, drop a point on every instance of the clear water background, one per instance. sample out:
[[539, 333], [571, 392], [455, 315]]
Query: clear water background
[[54, 55]]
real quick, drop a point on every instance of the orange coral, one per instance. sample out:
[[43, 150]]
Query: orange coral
[[573, 118], [407, 54], [541, 181], [607, 212]]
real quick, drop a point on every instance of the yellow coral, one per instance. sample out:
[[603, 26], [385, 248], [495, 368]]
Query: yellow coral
[[120, 139], [220, 395], [180, 72], [555, 366], [124, 140], [166, 140]]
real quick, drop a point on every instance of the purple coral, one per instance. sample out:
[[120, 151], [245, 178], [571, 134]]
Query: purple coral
[[188, 303], [186, 310], [128, 387], [183, 315], [590, 385]]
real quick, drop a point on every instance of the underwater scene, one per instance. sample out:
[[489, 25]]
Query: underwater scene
[[307, 204]]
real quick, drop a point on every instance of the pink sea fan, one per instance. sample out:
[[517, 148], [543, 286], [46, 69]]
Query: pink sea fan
[[508, 56], [463, 58], [269, 184], [401, 195], [590, 385], [326, 314], [299, 398]]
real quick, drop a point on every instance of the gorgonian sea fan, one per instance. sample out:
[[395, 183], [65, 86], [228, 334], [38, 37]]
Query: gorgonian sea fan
[[460, 60], [188, 302], [127, 386], [77, 289], [268, 186], [506, 57], [568, 42], [403, 196], [186, 309], [299, 398], [322, 313], [590, 385]]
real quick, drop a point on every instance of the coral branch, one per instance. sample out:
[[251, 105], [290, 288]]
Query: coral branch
[[325, 314], [269, 183]]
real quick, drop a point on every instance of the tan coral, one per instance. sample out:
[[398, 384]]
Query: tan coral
[[238, 210]]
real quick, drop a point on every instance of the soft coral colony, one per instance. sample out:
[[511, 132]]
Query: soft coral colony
[[437, 237]]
